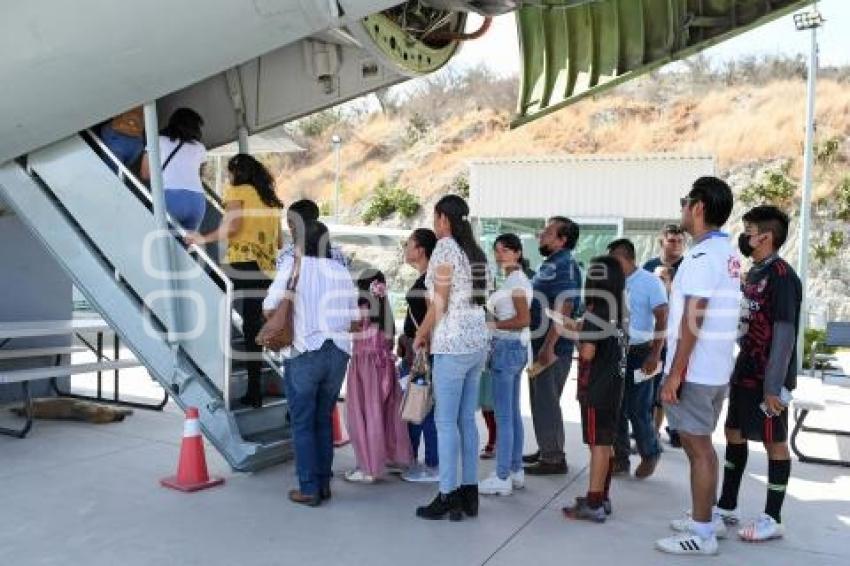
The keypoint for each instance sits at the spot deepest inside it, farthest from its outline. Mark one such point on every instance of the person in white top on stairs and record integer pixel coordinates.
(183, 156)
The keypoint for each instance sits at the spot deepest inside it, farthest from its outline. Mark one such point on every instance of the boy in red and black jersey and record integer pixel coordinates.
(602, 365)
(765, 370)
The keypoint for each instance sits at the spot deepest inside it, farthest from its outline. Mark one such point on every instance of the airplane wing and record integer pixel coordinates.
(571, 49)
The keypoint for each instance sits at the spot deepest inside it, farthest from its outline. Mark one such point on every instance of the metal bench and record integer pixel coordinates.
(77, 328)
(837, 336)
(813, 395)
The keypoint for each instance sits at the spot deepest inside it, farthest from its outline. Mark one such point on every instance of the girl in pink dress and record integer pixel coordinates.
(373, 394)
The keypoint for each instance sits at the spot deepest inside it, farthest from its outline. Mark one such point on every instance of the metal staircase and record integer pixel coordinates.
(100, 228)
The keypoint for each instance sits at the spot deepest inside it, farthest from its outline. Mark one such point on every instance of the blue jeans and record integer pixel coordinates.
(427, 428)
(186, 207)
(637, 410)
(507, 360)
(456, 378)
(312, 381)
(126, 148)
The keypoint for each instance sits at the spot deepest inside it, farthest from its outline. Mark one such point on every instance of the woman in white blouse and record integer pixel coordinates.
(456, 330)
(508, 357)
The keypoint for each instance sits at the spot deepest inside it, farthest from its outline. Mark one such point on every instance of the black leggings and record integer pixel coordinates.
(250, 284)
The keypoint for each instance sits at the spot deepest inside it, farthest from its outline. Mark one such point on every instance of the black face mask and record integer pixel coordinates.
(745, 246)
(545, 251)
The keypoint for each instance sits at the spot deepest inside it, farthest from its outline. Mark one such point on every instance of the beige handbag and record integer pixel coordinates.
(419, 398)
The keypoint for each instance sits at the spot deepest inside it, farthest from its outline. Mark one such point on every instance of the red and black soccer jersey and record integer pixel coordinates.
(772, 293)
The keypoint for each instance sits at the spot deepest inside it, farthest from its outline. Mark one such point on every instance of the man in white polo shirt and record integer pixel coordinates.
(705, 304)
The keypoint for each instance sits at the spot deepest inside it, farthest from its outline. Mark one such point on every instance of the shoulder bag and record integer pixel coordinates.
(279, 330)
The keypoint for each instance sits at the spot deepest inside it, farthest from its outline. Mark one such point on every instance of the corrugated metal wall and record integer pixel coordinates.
(643, 187)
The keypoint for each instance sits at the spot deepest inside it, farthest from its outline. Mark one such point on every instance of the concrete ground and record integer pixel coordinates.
(74, 493)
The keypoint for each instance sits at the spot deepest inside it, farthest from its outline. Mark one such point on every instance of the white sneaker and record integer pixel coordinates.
(358, 476)
(719, 520)
(493, 485)
(762, 529)
(421, 474)
(730, 518)
(518, 479)
(687, 544)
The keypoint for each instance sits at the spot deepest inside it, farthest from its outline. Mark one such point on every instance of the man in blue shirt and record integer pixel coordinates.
(665, 266)
(647, 323)
(557, 286)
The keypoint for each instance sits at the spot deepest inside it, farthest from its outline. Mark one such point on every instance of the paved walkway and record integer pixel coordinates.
(75, 493)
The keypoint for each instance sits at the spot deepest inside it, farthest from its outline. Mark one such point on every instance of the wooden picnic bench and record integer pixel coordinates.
(77, 328)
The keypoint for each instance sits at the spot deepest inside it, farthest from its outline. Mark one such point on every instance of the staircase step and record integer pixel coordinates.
(272, 416)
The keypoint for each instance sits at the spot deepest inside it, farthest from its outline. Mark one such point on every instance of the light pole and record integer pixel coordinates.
(810, 21)
(336, 142)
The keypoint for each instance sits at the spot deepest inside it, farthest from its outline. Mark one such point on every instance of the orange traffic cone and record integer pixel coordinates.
(192, 469)
(340, 435)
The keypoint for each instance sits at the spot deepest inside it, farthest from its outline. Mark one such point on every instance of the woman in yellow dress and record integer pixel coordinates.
(251, 226)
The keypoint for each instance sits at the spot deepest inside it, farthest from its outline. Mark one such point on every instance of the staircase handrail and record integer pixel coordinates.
(124, 173)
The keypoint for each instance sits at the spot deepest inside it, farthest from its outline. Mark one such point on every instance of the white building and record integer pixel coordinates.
(610, 196)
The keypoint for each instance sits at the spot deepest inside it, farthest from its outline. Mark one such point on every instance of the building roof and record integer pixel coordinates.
(259, 143)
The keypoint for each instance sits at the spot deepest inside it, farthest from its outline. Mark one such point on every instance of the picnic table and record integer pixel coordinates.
(815, 395)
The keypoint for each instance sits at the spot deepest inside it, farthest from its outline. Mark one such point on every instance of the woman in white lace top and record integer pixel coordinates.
(456, 330)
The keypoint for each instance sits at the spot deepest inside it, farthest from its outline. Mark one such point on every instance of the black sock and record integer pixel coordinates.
(778, 472)
(733, 471)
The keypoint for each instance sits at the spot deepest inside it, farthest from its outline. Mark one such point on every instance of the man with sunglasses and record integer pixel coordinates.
(665, 266)
(703, 326)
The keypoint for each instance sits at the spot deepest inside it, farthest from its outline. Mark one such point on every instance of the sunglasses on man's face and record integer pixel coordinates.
(685, 201)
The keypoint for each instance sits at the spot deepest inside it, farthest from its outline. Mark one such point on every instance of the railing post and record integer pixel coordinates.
(243, 140)
(164, 241)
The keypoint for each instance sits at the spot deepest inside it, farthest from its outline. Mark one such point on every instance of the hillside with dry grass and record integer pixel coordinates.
(407, 149)
(424, 143)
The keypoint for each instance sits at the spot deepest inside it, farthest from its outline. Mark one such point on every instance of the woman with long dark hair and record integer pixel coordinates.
(456, 329)
(509, 247)
(510, 333)
(183, 156)
(251, 226)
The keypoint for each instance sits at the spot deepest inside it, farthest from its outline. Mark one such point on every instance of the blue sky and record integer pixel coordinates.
(498, 48)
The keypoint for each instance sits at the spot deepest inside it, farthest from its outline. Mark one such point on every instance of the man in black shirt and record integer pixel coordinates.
(765, 371)
(665, 266)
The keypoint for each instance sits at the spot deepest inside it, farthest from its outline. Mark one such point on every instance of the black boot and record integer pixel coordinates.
(254, 396)
(441, 506)
(469, 499)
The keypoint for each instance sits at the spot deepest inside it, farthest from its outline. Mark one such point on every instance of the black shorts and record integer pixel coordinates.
(598, 426)
(745, 415)
(600, 405)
